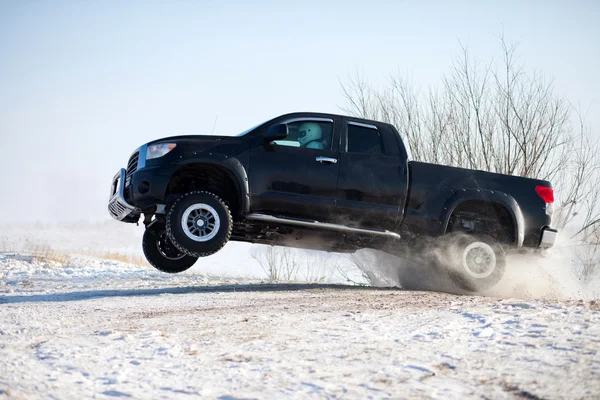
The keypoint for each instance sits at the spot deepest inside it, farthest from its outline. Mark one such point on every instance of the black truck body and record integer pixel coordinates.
(353, 187)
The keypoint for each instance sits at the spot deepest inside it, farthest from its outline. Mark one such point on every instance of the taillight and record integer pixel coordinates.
(546, 193)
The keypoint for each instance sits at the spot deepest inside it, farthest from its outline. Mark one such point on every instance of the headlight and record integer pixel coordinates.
(159, 150)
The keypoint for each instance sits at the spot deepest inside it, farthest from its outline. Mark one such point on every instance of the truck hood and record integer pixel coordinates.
(196, 138)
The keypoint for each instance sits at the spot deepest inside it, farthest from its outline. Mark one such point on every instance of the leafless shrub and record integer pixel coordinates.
(277, 263)
(587, 261)
(374, 268)
(289, 264)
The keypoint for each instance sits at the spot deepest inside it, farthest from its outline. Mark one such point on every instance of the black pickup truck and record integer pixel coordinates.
(326, 182)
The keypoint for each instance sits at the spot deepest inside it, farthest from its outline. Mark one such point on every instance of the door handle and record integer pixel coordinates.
(327, 160)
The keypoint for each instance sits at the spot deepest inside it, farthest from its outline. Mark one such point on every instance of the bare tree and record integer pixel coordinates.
(579, 183)
(482, 117)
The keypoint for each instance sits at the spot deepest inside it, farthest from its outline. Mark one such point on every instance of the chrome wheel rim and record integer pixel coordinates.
(200, 222)
(479, 260)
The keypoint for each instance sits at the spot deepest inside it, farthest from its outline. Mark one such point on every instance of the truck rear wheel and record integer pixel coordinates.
(476, 262)
(162, 254)
(199, 223)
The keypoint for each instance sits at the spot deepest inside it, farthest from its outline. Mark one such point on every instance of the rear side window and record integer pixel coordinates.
(362, 139)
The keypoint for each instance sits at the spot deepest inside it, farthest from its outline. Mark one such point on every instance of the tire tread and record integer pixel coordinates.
(151, 261)
(180, 247)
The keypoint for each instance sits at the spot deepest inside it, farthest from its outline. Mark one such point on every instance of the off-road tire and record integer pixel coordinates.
(169, 259)
(181, 239)
(456, 250)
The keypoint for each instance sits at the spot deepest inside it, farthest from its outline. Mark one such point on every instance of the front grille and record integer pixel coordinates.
(116, 209)
(132, 165)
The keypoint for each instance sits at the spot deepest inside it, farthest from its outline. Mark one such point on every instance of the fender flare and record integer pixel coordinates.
(234, 167)
(489, 196)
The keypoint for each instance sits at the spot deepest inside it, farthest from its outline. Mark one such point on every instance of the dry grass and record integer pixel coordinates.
(115, 256)
(46, 253)
(36, 250)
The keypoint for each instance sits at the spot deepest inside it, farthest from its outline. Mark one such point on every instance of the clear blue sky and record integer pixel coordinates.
(82, 83)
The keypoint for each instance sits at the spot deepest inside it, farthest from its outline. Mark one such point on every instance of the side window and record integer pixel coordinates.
(309, 134)
(363, 139)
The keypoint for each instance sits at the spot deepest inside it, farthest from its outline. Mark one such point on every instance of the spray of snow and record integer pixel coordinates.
(554, 275)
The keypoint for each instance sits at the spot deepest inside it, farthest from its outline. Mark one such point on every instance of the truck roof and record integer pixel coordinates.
(330, 115)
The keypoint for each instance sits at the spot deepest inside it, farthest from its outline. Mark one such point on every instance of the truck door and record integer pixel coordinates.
(297, 177)
(373, 177)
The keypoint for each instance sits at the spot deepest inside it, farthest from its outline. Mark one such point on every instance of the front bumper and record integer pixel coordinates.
(118, 207)
(548, 239)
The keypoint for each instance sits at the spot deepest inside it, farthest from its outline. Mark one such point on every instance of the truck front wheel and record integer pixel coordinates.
(199, 223)
(162, 254)
(476, 262)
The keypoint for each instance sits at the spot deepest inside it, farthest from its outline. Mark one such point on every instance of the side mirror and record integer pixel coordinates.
(276, 132)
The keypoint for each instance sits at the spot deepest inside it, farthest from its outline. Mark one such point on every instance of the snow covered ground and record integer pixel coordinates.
(92, 328)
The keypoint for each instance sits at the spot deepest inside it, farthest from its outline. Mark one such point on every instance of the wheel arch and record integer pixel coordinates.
(226, 178)
(487, 198)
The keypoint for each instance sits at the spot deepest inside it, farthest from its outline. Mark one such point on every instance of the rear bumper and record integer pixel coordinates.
(548, 238)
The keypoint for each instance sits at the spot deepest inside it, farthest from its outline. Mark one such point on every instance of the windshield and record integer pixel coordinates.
(250, 129)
